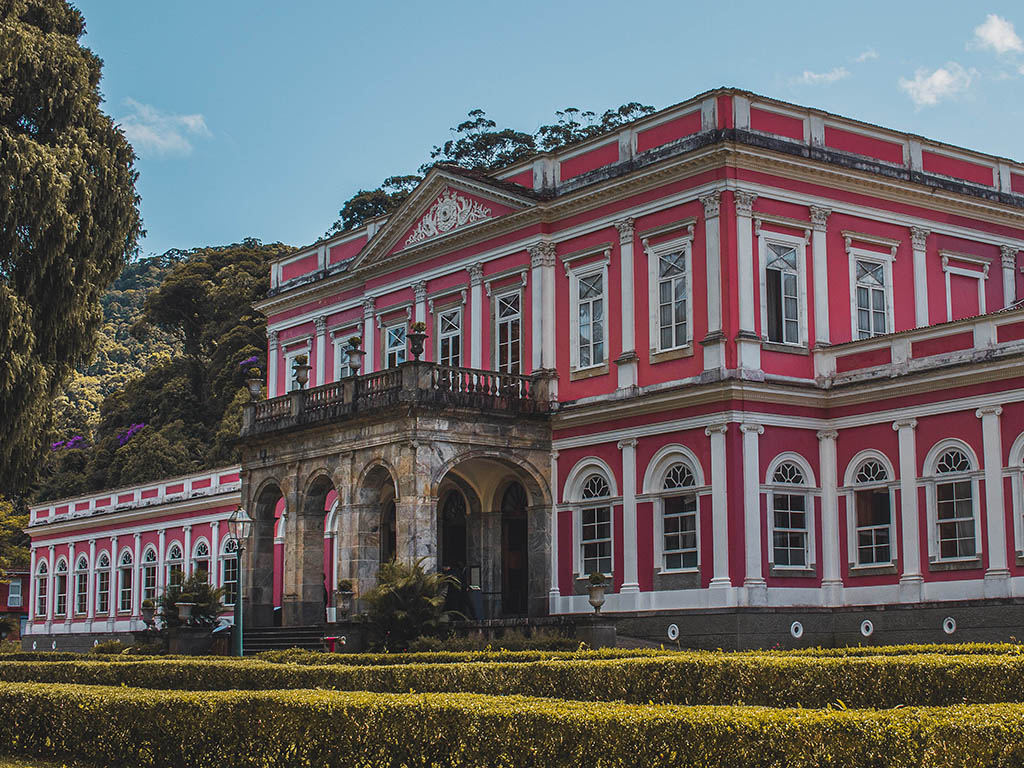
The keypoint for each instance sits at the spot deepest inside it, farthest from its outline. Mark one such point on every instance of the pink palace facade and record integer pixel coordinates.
(769, 360)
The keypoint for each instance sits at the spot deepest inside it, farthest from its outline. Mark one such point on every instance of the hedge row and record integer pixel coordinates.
(318, 729)
(704, 679)
(316, 658)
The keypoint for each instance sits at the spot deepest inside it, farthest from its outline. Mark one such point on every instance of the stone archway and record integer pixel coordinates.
(305, 598)
(259, 557)
(375, 510)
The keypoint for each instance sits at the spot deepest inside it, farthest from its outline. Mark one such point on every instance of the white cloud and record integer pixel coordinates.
(929, 88)
(869, 54)
(824, 78)
(152, 131)
(998, 34)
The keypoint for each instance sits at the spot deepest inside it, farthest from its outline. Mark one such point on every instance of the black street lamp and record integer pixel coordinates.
(239, 527)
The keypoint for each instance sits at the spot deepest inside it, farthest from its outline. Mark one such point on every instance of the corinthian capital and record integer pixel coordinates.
(819, 218)
(368, 305)
(542, 254)
(919, 238)
(419, 291)
(1009, 254)
(272, 339)
(626, 227)
(711, 203)
(744, 202)
(476, 273)
(321, 324)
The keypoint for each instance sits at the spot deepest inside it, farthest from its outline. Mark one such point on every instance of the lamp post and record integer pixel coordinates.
(239, 526)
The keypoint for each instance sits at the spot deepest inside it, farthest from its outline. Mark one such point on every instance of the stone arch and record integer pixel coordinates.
(258, 558)
(306, 582)
(374, 495)
(537, 485)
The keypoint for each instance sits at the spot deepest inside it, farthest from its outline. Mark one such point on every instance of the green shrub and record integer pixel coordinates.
(326, 728)
(109, 647)
(681, 678)
(317, 658)
(407, 603)
(539, 640)
(195, 589)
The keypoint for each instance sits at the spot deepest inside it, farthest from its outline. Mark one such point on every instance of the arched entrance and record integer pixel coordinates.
(454, 540)
(261, 558)
(305, 585)
(515, 554)
(375, 507)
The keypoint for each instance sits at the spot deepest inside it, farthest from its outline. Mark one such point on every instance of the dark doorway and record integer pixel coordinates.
(388, 534)
(514, 552)
(453, 532)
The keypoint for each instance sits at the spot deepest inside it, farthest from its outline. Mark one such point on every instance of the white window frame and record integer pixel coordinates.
(810, 491)
(61, 593)
(654, 254)
(102, 570)
(123, 588)
(654, 491)
(195, 560)
(389, 350)
(886, 260)
(229, 555)
(849, 491)
(79, 573)
(1016, 472)
(339, 341)
(441, 336)
(978, 271)
(145, 566)
(800, 244)
(499, 364)
(932, 479)
(572, 496)
(599, 266)
(170, 562)
(14, 596)
(290, 382)
(42, 577)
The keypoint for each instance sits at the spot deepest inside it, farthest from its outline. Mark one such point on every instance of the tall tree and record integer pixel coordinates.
(480, 146)
(69, 218)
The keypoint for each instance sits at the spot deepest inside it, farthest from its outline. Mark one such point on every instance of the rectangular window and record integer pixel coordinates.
(590, 320)
(509, 321)
(956, 519)
(672, 297)
(789, 533)
(872, 318)
(61, 602)
(41, 585)
(342, 369)
(874, 516)
(597, 540)
(449, 337)
(14, 593)
(81, 592)
(230, 580)
(149, 583)
(174, 575)
(125, 600)
(394, 345)
(782, 294)
(680, 530)
(290, 376)
(103, 592)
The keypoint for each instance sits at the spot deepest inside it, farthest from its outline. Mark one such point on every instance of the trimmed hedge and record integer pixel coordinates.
(314, 729)
(317, 658)
(683, 678)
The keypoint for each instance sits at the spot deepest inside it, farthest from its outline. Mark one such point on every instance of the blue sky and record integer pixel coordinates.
(259, 119)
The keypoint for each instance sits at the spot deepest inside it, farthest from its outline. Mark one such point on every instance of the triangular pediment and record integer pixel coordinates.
(445, 203)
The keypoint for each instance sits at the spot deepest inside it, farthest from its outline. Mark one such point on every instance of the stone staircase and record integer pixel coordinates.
(260, 639)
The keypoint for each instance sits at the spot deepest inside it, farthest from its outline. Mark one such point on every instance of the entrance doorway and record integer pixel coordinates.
(454, 539)
(514, 552)
(388, 533)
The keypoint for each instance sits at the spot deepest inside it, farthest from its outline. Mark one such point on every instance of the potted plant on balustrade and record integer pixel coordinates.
(355, 354)
(596, 588)
(343, 598)
(301, 367)
(254, 377)
(417, 334)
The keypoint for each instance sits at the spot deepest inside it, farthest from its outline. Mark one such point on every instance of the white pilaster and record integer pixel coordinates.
(1009, 262)
(630, 572)
(627, 360)
(910, 580)
(819, 249)
(90, 588)
(753, 579)
(748, 343)
(273, 346)
(537, 304)
(714, 342)
(321, 351)
(553, 592)
(831, 571)
(161, 562)
(72, 578)
(719, 507)
(186, 556)
(214, 554)
(476, 314)
(998, 574)
(50, 597)
(31, 588)
(137, 578)
(368, 341)
(919, 243)
(112, 585)
(420, 295)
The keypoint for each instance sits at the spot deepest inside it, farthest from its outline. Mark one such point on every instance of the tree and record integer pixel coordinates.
(368, 204)
(479, 146)
(195, 589)
(574, 126)
(69, 218)
(407, 603)
(14, 553)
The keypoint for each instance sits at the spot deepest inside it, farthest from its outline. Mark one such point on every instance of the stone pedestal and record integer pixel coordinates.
(596, 634)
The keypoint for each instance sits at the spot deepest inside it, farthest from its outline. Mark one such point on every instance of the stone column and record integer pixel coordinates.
(537, 304)
(538, 537)
(1009, 262)
(369, 345)
(627, 360)
(186, 555)
(273, 345)
(919, 243)
(161, 562)
(416, 530)
(112, 585)
(630, 576)
(321, 354)
(214, 554)
(50, 597)
(307, 605)
(72, 577)
(476, 314)
(748, 343)
(831, 570)
(554, 592)
(419, 292)
(137, 578)
(753, 580)
(90, 589)
(910, 580)
(719, 507)
(819, 248)
(714, 342)
(998, 573)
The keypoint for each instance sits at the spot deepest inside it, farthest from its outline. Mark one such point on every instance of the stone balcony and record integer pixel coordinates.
(417, 383)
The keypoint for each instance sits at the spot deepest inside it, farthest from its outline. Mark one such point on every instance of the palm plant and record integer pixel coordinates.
(407, 603)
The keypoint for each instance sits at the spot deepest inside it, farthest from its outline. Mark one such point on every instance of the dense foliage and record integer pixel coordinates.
(331, 728)
(406, 603)
(13, 540)
(68, 219)
(181, 410)
(207, 602)
(479, 144)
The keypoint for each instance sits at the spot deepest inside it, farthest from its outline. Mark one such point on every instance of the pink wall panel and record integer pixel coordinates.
(963, 296)
(606, 154)
(932, 162)
(668, 131)
(645, 545)
(857, 360)
(1010, 332)
(773, 122)
(299, 267)
(858, 143)
(1017, 183)
(523, 178)
(345, 251)
(942, 344)
(565, 553)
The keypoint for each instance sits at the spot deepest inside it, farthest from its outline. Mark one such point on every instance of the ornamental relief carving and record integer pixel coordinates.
(450, 211)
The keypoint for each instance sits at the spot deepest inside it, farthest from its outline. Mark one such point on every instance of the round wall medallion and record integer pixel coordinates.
(796, 629)
(866, 628)
(53, 645)
(33, 645)
(673, 632)
(949, 625)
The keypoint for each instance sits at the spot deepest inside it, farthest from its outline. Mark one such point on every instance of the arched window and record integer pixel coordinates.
(596, 525)
(790, 508)
(124, 578)
(388, 532)
(103, 584)
(679, 518)
(229, 570)
(82, 586)
(174, 565)
(60, 588)
(201, 560)
(955, 513)
(872, 501)
(149, 575)
(42, 582)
